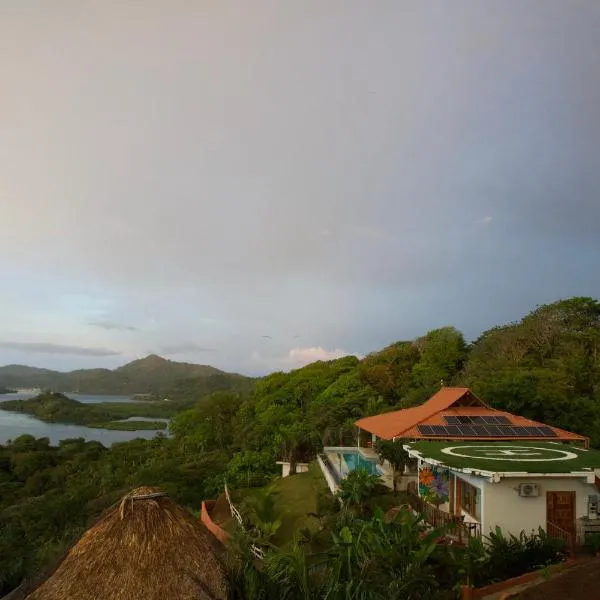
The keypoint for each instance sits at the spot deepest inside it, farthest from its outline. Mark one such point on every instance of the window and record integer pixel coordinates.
(468, 497)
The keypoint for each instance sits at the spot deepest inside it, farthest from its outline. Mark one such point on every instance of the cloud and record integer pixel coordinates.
(484, 221)
(48, 348)
(300, 357)
(338, 199)
(184, 348)
(112, 326)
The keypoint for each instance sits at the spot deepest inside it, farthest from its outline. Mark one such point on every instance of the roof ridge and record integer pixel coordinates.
(465, 390)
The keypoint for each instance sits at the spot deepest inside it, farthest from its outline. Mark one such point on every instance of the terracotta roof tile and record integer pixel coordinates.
(393, 424)
(403, 423)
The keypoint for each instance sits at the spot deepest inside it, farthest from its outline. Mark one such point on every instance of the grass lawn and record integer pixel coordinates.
(506, 457)
(297, 496)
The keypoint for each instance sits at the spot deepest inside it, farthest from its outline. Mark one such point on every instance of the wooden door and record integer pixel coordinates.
(560, 510)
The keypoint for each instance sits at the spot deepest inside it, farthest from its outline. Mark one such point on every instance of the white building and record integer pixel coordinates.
(517, 486)
(488, 468)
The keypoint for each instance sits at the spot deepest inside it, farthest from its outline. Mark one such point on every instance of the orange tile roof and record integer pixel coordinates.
(446, 402)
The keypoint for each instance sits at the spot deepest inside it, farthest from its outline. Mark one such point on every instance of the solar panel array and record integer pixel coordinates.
(487, 420)
(489, 430)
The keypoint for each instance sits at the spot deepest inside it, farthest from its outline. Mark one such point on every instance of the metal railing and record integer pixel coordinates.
(554, 531)
(439, 519)
(257, 552)
(334, 472)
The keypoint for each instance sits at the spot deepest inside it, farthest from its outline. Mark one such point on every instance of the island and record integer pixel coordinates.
(54, 407)
(4, 390)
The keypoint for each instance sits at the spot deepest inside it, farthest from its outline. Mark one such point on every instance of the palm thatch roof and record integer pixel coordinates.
(146, 547)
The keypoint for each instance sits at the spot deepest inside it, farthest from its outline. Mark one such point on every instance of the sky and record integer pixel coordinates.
(257, 185)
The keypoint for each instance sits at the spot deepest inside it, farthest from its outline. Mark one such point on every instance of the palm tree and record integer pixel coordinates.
(393, 451)
(357, 487)
(260, 509)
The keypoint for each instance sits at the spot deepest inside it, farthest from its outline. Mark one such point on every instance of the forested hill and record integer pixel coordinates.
(546, 367)
(152, 374)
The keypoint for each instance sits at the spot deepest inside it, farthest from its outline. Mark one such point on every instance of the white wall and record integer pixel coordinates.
(333, 487)
(285, 468)
(503, 507)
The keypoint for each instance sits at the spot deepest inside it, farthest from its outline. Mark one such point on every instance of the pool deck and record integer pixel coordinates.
(336, 456)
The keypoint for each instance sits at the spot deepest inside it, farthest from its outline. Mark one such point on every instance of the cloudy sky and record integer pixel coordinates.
(255, 185)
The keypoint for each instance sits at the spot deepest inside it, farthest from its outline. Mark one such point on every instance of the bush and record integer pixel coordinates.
(499, 557)
(250, 469)
(592, 542)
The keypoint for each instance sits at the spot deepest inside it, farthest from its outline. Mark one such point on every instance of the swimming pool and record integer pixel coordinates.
(355, 460)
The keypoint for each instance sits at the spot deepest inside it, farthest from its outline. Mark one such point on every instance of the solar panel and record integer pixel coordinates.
(524, 432)
(493, 430)
(489, 420)
(453, 429)
(464, 420)
(467, 430)
(480, 430)
(452, 420)
(485, 430)
(547, 431)
(439, 430)
(502, 421)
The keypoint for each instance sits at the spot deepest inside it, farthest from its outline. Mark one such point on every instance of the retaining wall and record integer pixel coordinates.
(217, 531)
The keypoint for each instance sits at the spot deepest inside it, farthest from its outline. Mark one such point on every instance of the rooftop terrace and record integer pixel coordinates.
(508, 457)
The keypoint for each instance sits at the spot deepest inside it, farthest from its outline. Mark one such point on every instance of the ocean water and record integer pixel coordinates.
(14, 424)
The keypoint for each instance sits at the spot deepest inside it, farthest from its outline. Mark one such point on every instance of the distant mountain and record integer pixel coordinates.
(150, 375)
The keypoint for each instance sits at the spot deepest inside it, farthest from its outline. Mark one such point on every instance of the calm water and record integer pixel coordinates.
(14, 424)
(355, 461)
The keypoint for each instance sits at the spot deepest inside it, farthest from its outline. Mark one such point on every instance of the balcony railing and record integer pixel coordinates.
(554, 531)
(439, 519)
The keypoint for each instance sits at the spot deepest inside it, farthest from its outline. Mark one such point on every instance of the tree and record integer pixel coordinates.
(260, 510)
(250, 469)
(443, 353)
(393, 451)
(357, 487)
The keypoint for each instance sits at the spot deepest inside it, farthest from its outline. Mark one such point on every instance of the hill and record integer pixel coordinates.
(152, 374)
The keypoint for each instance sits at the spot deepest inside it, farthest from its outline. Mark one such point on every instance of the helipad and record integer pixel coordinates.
(523, 457)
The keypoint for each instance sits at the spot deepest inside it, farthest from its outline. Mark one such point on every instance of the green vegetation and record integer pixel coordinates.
(57, 408)
(390, 557)
(49, 495)
(498, 556)
(151, 374)
(299, 499)
(356, 489)
(546, 367)
(583, 459)
(130, 425)
(393, 451)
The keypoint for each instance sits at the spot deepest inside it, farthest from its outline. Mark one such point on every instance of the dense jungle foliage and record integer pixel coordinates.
(546, 366)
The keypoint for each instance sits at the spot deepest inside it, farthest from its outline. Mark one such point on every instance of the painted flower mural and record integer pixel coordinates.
(434, 484)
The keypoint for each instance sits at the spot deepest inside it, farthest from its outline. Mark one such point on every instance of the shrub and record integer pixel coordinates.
(499, 557)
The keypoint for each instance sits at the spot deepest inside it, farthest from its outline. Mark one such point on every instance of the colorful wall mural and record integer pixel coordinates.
(434, 484)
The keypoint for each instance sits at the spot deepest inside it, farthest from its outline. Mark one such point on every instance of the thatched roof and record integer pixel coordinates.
(146, 547)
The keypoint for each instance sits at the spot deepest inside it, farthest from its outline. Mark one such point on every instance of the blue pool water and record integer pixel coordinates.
(355, 460)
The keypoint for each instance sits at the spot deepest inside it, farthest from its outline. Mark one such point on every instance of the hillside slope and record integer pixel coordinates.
(152, 374)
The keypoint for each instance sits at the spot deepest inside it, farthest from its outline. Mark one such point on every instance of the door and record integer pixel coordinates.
(560, 510)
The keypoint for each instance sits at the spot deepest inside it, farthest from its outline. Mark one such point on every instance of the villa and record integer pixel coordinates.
(484, 468)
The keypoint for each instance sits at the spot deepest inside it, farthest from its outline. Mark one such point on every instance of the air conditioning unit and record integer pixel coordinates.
(528, 490)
